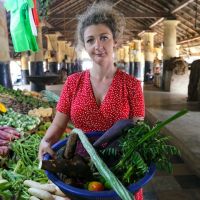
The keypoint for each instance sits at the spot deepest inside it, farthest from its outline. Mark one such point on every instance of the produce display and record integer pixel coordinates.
(124, 159)
(24, 118)
(41, 112)
(19, 121)
(7, 135)
(18, 97)
(128, 150)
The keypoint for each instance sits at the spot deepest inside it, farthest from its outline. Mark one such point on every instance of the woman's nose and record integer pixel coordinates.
(98, 44)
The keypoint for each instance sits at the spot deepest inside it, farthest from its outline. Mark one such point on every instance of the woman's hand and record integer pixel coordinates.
(53, 134)
(45, 147)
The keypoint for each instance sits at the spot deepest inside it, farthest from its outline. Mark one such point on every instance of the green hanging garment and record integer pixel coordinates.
(20, 28)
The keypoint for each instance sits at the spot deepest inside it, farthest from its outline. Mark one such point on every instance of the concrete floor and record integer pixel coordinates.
(185, 131)
(184, 183)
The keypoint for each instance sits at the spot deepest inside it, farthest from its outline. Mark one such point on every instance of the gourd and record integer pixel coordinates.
(105, 172)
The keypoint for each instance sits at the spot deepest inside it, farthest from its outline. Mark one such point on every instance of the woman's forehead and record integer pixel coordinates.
(96, 30)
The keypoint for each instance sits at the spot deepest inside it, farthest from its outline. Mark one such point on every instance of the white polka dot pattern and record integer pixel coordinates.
(123, 100)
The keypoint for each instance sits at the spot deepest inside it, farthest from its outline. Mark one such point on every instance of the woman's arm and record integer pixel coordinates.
(53, 134)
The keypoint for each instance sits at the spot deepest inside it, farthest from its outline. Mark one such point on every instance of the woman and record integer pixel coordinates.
(95, 99)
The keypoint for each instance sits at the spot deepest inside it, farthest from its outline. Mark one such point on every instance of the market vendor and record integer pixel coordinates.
(95, 99)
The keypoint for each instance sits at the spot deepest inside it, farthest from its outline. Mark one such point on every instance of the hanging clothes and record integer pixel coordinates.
(20, 28)
(35, 14)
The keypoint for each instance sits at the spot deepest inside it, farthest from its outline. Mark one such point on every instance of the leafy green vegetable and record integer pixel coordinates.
(23, 165)
(141, 146)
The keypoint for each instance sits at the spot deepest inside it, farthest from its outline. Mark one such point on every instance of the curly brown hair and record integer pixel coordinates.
(100, 13)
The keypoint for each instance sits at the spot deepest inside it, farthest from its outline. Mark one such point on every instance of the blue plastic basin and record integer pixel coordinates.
(77, 193)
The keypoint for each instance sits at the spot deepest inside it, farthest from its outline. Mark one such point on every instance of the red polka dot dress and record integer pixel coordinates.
(124, 100)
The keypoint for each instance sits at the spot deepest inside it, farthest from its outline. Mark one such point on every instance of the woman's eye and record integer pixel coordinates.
(90, 41)
(104, 38)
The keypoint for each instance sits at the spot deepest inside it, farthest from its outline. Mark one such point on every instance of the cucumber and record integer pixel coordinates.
(105, 172)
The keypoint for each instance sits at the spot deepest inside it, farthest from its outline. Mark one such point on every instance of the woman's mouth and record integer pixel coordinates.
(100, 54)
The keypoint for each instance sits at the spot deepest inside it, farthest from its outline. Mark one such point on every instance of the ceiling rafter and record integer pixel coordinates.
(176, 9)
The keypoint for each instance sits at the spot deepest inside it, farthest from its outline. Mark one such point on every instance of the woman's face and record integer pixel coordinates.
(99, 43)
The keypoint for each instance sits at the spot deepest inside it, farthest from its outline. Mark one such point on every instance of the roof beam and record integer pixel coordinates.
(176, 9)
(117, 2)
(131, 16)
(189, 40)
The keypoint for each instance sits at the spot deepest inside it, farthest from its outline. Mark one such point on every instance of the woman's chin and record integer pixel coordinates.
(100, 60)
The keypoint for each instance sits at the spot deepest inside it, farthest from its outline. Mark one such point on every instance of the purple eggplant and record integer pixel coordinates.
(114, 132)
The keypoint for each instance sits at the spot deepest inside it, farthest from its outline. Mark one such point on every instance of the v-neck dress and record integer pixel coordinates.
(123, 100)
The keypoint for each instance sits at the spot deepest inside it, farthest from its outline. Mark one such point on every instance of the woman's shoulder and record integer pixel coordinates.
(128, 78)
(76, 77)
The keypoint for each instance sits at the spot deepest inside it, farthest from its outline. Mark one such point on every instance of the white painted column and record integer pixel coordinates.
(131, 58)
(169, 47)
(24, 67)
(137, 59)
(4, 50)
(5, 77)
(61, 51)
(52, 47)
(148, 39)
(169, 51)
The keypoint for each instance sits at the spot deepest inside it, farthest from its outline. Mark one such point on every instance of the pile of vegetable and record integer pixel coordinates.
(125, 153)
(21, 122)
(20, 97)
(21, 164)
(41, 112)
(44, 191)
(7, 135)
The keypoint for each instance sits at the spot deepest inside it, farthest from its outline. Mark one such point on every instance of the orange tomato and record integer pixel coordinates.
(68, 130)
(95, 186)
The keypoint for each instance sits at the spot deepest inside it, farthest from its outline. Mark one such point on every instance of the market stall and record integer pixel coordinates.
(24, 118)
(123, 164)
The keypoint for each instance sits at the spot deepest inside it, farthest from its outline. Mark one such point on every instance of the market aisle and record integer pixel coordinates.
(183, 184)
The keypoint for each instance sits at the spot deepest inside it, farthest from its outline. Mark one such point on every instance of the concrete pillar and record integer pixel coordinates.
(115, 59)
(117, 55)
(36, 62)
(148, 39)
(126, 58)
(178, 50)
(131, 58)
(5, 77)
(61, 51)
(121, 54)
(52, 47)
(137, 59)
(24, 67)
(169, 50)
(158, 53)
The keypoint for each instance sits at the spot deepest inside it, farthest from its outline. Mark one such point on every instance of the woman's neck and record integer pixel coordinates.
(103, 72)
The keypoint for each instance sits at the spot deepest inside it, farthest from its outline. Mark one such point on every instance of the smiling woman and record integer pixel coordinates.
(95, 99)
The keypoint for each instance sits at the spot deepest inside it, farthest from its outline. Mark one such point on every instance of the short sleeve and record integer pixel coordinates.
(136, 98)
(64, 103)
